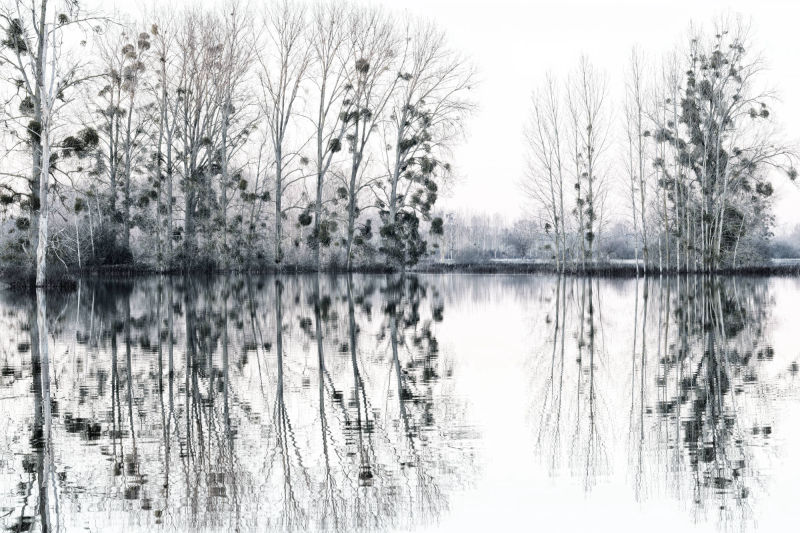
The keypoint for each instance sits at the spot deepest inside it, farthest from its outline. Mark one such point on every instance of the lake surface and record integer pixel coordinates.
(425, 403)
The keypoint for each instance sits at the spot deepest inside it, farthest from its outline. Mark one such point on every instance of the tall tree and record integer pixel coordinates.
(198, 122)
(163, 31)
(544, 183)
(373, 80)
(726, 140)
(426, 111)
(636, 133)
(331, 70)
(43, 72)
(234, 60)
(587, 91)
(284, 62)
(124, 116)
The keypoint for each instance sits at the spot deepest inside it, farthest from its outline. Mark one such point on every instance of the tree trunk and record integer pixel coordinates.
(278, 209)
(351, 200)
(224, 182)
(317, 216)
(44, 182)
(170, 201)
(351, 218)
(126, 221)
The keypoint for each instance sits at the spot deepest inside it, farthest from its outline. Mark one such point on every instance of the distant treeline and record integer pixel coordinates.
(473, 239)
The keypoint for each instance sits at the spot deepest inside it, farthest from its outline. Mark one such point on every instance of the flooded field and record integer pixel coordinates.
(386, 403)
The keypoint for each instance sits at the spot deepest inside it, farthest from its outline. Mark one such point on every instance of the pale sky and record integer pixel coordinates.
(513, 44)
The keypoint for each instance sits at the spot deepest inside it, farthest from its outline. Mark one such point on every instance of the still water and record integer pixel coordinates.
(423, 403)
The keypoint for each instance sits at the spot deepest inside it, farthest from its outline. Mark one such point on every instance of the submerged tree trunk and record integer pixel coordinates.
(42, 407)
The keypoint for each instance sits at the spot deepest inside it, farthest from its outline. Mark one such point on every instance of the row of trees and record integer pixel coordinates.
(567, 137)
(700, 147)
(225, 138)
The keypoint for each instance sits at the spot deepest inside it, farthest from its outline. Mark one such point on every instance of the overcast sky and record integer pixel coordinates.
(513, 44)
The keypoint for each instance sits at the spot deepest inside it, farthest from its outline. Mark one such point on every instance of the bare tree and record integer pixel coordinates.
(635, 116)
(284, 62)
(373, 80)
(129, 79)
(722, 142)
(586, 95)
(544, 181)
(331, 70)
(426, 111)
(233, 64)
(680, 183)
(43, 71)
(198, 119)
(163, 32)
(110, 110)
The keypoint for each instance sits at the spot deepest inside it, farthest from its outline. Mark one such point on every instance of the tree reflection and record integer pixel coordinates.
(190, 405)
(695, 406)
(570, 406)
(708, 378)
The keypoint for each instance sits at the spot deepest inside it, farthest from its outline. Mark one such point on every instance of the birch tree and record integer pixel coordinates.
(43, 71)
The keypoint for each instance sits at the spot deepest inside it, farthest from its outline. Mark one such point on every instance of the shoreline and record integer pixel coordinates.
(605, 270)
(65, 280)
